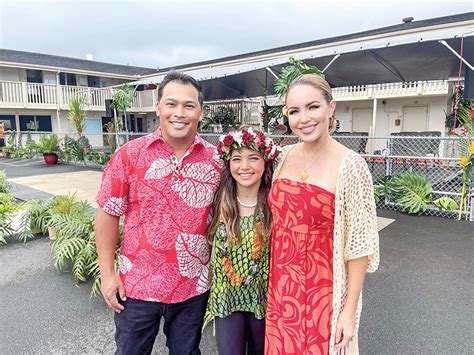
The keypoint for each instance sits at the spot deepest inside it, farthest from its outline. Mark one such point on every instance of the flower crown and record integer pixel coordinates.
(247, 138)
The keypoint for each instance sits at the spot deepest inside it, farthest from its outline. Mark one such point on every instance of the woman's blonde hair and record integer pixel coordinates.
(320, 84)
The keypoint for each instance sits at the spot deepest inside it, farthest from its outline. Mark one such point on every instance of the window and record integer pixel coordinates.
(67, 79)
(93, 81)
(9, 121)
(34, 76)
(35, 123)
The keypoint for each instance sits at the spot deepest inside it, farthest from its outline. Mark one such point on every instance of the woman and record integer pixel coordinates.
(239, 231)
(324, 235)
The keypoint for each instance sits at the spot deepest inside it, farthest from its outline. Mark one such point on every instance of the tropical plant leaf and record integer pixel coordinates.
(446, 203)
(65, 249)
(295, 69)
(412, 191)
(123, 97)
(4, 184)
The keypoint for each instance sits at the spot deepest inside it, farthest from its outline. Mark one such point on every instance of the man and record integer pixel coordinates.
(164, 184)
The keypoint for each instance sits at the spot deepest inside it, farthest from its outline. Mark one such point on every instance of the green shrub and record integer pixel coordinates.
(8, 208)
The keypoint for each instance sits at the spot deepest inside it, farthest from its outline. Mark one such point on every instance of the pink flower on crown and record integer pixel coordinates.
(260, 141)
(247, 138)
(228, 140)
(268, 150)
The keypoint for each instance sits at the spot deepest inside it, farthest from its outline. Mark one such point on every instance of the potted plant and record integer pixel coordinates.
(49, 146)
(223, 119)
(464, 110)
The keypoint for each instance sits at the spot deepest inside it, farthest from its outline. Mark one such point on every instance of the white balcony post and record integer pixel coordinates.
(25, 94)
(58, 99)
(374, 120)
(89, 98)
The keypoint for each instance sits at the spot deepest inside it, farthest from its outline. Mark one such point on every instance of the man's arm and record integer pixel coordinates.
(106, 236)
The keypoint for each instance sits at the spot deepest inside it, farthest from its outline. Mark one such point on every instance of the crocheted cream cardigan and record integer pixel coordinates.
(355, 231)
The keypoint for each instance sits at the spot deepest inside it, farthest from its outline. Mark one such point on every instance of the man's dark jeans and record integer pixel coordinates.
(138, 324)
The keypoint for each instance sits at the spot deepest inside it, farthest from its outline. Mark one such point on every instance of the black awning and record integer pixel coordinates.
(409, 62)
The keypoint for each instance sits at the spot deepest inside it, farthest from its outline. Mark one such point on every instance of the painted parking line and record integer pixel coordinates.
(383, 222)
(21, 163)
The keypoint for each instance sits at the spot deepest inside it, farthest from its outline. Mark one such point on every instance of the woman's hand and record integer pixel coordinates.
(345, 329)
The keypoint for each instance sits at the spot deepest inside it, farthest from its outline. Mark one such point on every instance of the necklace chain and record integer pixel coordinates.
(304, 175)
(245, 205)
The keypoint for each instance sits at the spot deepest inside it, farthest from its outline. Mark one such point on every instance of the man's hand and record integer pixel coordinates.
(110, 286)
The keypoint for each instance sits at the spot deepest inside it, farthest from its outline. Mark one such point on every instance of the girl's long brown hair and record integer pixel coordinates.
(225, 205)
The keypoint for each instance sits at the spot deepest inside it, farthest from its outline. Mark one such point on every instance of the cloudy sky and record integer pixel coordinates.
(164, 33)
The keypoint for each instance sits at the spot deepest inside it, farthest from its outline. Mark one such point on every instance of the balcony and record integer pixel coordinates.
(46, 96)
(391, 90)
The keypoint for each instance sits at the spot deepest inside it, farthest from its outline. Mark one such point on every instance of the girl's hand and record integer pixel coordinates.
(345, 329)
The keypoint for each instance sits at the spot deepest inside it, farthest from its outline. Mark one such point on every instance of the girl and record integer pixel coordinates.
(239, 232)
(324, 236)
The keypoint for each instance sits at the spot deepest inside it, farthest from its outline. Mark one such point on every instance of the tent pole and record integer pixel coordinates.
(332, 61)
(443, 42)
(272, 72)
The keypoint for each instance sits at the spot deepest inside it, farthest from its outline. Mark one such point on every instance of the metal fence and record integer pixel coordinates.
(433, 156)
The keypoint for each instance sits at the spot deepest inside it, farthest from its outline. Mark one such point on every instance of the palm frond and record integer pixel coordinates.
(65, 249)
(295, 69)
(77, 114)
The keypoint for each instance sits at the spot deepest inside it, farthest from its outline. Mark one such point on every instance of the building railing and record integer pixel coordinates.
(391, 90)
(49, 96)
(245, 111)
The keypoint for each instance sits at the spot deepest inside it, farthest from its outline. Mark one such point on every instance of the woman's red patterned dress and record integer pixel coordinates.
(301, 275)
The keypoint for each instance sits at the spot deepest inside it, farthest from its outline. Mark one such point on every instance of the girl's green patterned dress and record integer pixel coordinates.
(226, 298)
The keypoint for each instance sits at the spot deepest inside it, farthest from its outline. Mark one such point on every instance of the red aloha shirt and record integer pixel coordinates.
(164, 255)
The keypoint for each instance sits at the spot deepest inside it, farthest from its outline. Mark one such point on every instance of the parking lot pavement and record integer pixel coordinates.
(420, 300)
(36, 180)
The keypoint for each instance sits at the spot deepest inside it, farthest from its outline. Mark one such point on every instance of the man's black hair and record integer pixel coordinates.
(183, 79)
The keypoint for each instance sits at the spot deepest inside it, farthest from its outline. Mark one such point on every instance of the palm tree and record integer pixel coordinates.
(121, 101)
(77, 114)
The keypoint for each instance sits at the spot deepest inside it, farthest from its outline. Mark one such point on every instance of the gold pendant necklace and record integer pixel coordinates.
(305, 175)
